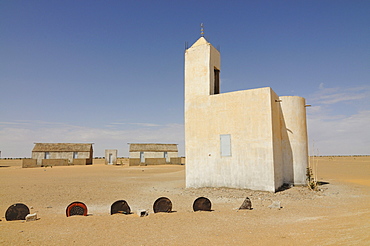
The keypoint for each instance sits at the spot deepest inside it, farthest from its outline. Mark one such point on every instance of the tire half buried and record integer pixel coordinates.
(17, 211)
(202, 204)
(120, 207)
(162, 204)
(76, 208)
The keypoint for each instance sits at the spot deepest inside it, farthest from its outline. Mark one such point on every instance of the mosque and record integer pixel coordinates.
(251, 139)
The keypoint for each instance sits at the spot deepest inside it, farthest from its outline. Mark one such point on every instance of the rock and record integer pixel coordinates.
(275, 204)
(142, 212)
(31, 217)
(247, 204)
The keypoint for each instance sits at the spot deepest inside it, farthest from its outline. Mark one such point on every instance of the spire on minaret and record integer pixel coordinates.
(201, 30)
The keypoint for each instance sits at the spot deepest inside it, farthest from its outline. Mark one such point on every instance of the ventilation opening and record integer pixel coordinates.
(216, 83)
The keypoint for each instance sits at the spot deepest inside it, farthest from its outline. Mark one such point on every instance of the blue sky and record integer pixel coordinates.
(111, 72)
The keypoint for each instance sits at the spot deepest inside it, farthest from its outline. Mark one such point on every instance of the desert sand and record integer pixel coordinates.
(337, 214)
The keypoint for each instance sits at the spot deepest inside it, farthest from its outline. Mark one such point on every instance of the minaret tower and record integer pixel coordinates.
(202, 79)
(202, 69)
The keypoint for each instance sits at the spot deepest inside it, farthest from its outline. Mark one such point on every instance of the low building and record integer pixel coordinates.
(111, 157)
(153, 154)
(61, 154)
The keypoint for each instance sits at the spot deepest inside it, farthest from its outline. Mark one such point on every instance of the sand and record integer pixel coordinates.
(337, 214)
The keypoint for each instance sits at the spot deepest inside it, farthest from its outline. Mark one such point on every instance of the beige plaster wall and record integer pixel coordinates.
(278, 163)
(247, 117)
(55, 162)
(29, 163)
(81, 161)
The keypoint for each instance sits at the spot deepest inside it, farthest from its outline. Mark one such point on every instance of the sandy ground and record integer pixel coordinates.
(338, 214)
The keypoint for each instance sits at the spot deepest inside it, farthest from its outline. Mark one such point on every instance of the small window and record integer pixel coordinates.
(75, 155)
(47, 155)
(142, 157)
(216, 83)
(165, 155)
(225, 144)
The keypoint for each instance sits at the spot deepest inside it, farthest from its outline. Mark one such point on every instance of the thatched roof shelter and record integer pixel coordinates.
(153, 147)
(62, 147)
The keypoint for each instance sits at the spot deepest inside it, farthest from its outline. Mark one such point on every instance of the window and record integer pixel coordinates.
(47, 155)
(225, 144)
(165, 155)
(75, 155)
(142, 158)
(216, 82)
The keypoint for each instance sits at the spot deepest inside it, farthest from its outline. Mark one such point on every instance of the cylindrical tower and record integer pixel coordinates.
(294, 139)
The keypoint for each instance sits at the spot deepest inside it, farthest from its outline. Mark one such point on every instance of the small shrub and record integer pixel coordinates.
(311, 182)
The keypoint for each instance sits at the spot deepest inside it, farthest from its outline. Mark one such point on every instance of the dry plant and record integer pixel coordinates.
(310, 171)
(311, 181)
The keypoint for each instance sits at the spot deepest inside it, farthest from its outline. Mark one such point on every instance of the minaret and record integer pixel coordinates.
(202, 70)
(202, 73)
